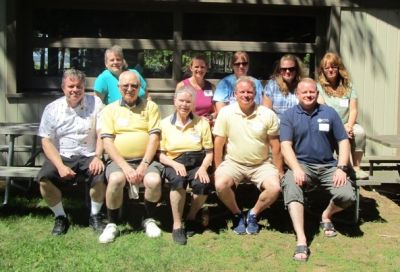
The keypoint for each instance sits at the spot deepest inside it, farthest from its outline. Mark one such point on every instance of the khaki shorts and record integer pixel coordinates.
(257, 174)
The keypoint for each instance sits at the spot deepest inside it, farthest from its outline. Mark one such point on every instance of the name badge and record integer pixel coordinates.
(323, 127)
(257, 127)
(344, 103)
(208, 93)
(122, 122)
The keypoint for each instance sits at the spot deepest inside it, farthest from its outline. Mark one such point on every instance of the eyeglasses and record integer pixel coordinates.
(237, 64)
(129, 86)
(289, 69)
(333, 67)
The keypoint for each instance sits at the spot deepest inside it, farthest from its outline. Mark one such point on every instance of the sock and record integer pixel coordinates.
(95, 207)
(113, 215)
(58, 210)
(150, 208)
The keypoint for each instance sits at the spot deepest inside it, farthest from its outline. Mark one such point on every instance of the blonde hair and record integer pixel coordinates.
(344, 85)
(283, 86)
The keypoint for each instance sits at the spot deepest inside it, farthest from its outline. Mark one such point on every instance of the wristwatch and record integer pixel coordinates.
(145, 161)
(344, 168)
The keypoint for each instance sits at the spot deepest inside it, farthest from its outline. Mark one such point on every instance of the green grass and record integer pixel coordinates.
(26, 243)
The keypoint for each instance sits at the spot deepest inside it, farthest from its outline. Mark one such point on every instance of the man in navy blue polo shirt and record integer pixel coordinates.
(309, 133)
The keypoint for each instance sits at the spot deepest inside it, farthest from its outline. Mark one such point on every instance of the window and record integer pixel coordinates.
(158, 40)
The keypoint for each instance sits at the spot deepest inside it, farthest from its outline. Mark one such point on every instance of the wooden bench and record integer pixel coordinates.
(19, 171)
(378, 178)
(380, 159)
(10, 172)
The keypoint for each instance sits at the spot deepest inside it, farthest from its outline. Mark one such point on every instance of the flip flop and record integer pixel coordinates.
(301, 249)
(328, 226)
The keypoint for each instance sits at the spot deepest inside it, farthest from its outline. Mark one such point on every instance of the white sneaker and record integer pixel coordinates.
(109, 233)
(151, 228)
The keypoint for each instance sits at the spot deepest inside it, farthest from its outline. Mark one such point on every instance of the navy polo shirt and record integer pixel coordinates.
(313, 135)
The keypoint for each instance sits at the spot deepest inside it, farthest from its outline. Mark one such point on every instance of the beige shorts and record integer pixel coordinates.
(259, 175)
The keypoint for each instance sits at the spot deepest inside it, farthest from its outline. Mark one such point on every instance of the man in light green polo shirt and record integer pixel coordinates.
(247, 130)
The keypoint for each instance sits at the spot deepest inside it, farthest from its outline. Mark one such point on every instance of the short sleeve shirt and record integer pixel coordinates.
(195, 136)
(225, 90)
(313, 135)
(107, 84)
(280, 102)
(340, 104)
(247, 135)
(203, 104)
(130, 126)
(72, 130)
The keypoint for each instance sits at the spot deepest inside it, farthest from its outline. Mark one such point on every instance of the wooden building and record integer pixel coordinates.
(40, 38)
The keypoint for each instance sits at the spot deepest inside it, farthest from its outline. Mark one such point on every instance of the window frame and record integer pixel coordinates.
(20, 43)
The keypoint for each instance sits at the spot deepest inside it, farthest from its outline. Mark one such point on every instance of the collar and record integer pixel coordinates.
(300, 109)
(81, 103)
(173, 119)
(122, 103)
(238, 110)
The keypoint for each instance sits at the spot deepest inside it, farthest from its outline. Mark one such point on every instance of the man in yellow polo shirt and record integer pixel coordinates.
(130, 130)
(247, 130)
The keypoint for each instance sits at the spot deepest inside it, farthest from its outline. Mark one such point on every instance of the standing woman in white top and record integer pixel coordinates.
(336, 90)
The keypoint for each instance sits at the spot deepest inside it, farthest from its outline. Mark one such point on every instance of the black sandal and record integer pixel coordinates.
(328, 226)
(304, 250)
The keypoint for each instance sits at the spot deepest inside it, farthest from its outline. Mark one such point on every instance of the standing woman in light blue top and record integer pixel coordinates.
(336, 90)
(106, 84)
(279, 93)
(225, 89)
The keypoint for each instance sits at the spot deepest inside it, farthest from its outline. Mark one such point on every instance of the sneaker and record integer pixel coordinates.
(239, 226)
(109, 234)
(61, 225)
(151, 228)
(96, 221)
(252, 223)
(192, 227)
(179, 236)
(360, 174)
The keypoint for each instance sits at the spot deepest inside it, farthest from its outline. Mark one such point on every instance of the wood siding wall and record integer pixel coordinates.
(370, 48)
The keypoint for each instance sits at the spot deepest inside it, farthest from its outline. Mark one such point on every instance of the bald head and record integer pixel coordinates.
(307, 94)
(129, 85)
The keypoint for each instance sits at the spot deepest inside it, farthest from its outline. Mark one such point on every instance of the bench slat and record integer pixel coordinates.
(19, 171)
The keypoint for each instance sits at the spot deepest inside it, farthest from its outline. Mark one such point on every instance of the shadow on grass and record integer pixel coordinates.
(277, 217)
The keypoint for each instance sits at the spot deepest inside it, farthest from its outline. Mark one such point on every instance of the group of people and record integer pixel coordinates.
(217, 137)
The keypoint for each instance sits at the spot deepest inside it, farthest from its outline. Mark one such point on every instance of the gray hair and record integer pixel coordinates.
(75, 74)
(185, 89)
(247, 79)
(117, 50)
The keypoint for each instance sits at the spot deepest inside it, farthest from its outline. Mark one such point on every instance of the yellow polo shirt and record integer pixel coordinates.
(247, 136)
(130, 127)
(175, 140)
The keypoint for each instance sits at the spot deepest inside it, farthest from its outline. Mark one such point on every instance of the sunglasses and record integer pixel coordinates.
(290, 69)
(237, 64)
(130, 86)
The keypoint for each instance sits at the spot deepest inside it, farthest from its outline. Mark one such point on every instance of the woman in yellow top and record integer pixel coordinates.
(336, 91)
(186, 151)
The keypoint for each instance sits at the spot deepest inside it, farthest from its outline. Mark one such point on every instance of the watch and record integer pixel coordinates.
(344, 168)
(145, 161)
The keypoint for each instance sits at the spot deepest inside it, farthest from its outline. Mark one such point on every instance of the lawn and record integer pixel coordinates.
(26, 243)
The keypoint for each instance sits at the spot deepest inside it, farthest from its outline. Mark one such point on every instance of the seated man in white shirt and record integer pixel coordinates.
(69, 140)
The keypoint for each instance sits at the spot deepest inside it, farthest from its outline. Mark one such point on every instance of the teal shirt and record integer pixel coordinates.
(340, 104)
(107, 84)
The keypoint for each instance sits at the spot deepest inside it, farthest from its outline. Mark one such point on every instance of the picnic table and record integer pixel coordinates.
(13, 131)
